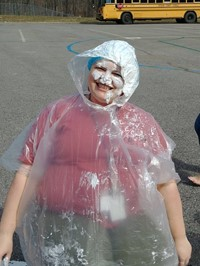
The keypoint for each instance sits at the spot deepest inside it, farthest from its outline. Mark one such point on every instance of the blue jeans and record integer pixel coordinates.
(197, 126)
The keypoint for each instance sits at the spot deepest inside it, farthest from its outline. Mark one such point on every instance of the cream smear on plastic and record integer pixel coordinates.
(108, 73)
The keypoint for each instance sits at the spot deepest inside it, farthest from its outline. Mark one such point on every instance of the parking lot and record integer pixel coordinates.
(33, 72)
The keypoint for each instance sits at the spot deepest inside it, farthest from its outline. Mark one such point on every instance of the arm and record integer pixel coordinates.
(9, 216)
(173, 206)
(11, 213)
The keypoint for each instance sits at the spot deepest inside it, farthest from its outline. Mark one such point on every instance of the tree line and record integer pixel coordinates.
(83, 8)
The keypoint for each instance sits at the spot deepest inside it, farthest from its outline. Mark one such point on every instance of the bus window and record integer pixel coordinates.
(143, 1)
(175, 1)
(152, 1)
(159, 1)
(136, 1)
(128, 1)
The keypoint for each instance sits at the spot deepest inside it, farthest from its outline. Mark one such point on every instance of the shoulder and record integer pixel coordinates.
(133, 113)
(54, 110)
(140, 128)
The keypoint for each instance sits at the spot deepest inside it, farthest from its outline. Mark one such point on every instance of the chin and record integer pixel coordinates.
(99, 101)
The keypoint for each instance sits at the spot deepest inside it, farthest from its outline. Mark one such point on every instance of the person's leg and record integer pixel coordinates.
(196, 179)
(197, 126)
(137, 241)
(66, 240)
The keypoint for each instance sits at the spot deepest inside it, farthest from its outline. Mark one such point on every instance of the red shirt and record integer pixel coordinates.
(76, 151)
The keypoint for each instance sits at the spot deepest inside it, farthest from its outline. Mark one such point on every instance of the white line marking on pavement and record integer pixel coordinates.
(113, 34)
(133, 38)
(104, 32)
(145, 37)
(22, 36)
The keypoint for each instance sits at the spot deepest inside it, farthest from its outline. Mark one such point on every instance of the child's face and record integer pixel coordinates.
(105, 82)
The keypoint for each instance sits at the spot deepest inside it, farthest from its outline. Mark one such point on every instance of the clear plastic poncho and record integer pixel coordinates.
(91, 195)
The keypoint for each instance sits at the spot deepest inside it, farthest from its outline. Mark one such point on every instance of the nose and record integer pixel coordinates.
(106, 79)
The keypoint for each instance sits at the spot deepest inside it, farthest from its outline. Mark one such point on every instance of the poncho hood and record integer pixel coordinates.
(121, 53)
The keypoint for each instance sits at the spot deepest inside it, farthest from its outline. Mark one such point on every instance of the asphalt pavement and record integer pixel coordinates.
(33, 72)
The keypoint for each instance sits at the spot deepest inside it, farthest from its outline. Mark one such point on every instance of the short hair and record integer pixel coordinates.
(92, 61)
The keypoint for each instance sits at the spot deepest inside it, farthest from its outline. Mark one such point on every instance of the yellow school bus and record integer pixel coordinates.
(126, 11)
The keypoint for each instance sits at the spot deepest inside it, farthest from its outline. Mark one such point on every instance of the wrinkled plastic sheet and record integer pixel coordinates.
(95, 202)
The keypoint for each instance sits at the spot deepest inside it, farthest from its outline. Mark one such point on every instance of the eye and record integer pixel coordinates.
(100, 68)
(116, 74)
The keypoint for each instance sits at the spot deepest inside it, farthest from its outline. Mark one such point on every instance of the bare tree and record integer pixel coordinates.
(83, 8)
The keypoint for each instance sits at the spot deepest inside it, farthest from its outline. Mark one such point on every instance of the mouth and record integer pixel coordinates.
(103, 87)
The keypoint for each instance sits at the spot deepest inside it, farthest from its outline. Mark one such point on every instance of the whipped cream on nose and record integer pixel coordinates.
(106, 79)
(102, 78)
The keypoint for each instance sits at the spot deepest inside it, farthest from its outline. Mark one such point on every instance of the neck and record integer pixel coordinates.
(94, 100)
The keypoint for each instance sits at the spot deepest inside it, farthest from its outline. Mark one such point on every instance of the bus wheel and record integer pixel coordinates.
(126, 18)
(190, 17)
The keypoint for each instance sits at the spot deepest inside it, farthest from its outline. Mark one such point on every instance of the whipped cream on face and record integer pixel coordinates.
(108, 73)
(112, 94)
